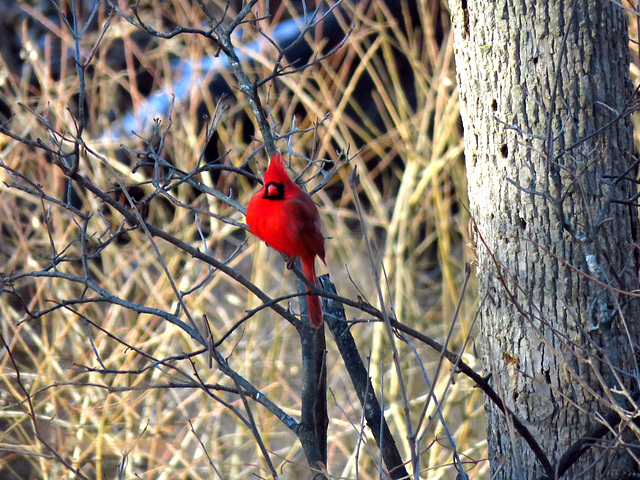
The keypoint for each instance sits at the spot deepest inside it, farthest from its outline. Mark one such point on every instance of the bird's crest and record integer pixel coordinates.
(276, 172)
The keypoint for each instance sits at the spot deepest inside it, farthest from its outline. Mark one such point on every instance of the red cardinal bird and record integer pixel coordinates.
(286, 219)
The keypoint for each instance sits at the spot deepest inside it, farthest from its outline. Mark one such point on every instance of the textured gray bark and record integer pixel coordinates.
(545, 95)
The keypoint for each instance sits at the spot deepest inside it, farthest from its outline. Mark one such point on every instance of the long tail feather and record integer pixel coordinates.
(313, 301)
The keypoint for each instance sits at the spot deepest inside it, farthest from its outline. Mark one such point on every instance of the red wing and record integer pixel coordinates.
(309, 227)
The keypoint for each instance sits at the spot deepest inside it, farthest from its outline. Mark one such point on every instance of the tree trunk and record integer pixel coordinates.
(546, 99)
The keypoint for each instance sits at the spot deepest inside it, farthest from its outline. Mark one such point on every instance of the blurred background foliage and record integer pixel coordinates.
(389, 91)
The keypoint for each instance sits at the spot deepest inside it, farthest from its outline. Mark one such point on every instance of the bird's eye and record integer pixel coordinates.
(274, 191)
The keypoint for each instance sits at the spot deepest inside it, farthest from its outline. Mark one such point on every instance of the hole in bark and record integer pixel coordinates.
(494, 105)
(523, 224)
(535, 60)
(504, 150)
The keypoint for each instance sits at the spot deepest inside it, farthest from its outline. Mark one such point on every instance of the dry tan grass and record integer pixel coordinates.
(413, 187)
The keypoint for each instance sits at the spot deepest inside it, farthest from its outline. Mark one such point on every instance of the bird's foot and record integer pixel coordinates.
(290, 261)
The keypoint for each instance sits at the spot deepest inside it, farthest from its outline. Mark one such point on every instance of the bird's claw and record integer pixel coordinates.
(290, 261)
